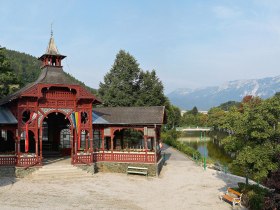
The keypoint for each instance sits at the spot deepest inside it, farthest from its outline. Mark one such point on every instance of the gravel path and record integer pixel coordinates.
(181, 185)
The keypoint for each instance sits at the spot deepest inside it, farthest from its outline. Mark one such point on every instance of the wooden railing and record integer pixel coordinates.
(7, 160)
(124, 157)
(82, 159)
(85, 158)
(28, 161)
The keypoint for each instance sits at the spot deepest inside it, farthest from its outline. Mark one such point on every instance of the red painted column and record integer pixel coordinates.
(112, 145)
(41, 142)
(146, 148)
(72, 145)
(103, 142)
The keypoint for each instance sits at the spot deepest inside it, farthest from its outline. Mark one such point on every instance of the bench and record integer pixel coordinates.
(232, 196)
(137, 170)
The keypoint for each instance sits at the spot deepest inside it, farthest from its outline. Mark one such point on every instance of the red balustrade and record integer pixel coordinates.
(28, 161)
(82, 159)
(124, 157)
(7, 160)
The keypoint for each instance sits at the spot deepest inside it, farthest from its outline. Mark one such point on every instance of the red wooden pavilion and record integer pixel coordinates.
(37, 122)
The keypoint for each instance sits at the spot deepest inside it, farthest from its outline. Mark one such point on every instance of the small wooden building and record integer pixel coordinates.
(56, 116)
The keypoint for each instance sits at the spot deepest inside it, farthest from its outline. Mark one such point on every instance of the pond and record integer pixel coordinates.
(206, 145)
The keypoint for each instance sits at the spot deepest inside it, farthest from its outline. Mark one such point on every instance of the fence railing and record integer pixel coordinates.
(7, 160)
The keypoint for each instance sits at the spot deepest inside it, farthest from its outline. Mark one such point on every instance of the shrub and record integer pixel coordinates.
(170, 138)
(253, 196)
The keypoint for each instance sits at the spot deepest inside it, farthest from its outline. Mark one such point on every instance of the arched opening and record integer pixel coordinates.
(56, 135)
(128, 140)
(31, 142)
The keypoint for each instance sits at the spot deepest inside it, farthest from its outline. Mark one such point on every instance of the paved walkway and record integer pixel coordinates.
(181, 185)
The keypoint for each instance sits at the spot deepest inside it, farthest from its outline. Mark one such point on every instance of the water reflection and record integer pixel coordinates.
(206, 145)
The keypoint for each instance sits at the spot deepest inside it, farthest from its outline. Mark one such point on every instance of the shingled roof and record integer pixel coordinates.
(49, 75)
(129, 115)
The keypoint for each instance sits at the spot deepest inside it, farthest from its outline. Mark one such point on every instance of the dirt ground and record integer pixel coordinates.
(181, 185)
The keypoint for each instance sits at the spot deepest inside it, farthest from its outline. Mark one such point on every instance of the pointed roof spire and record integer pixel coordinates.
(51, 57)
(52, 49)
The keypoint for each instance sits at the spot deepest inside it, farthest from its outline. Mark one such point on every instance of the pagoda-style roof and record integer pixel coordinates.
(49, 75)
(129, 115)
(6, 116)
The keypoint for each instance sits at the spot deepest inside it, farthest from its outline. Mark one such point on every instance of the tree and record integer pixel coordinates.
(127, 85)
(216, 117)
(194, 111)
(173, 116)
(254, 136)
(257, 161)
(150, 90)
(121, 85)
(227, 105)
(8, 80)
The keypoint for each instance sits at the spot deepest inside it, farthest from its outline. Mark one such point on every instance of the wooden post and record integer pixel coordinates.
(41, 142)
(71, 143)
(112, 145)
(103, 143)
(155, 145)
(146, 148)
(86, 139)
(16, 141)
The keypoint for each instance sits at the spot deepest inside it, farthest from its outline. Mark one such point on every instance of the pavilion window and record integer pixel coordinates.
(7, 141)
(4, 135)
(97, 139)
(132, 139)
(150, 144)
(83, 139)
(45, 131)
(107, 143)
(22, 142)
(65, 138)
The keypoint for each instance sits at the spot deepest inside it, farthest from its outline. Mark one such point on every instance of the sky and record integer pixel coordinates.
(190, 43)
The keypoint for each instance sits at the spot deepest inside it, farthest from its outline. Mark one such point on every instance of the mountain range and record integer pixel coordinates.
(205, 98)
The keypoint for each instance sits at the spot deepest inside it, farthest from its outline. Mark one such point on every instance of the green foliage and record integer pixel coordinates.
(150, 90)
(257, 161)
(253, 196)
(8, 80)
(216, 117)
(228, 105)
(170, 138)
(26, 68)
(194, 118)
(255, 135)
(127, 85)
(121, 85)
(194, 111)
(173, 116)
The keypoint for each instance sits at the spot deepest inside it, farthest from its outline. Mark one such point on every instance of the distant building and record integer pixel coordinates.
(184, 111)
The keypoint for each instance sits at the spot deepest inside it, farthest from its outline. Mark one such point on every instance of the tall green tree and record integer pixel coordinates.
(127, 85)
(8, 80)
(150, 90)
(122, 83)
(173, 116)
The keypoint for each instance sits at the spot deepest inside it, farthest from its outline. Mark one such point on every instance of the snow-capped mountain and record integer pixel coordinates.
(205, 98)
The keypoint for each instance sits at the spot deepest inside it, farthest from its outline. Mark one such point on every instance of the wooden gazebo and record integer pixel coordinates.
(37, 121)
